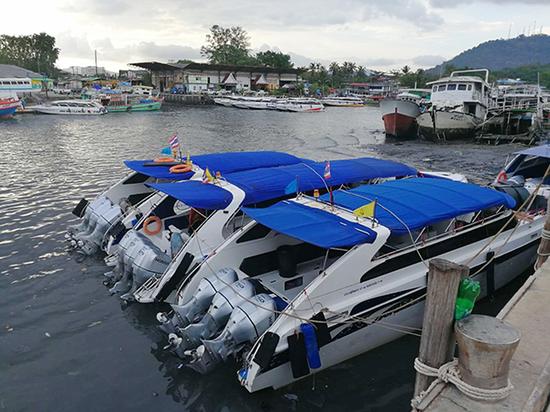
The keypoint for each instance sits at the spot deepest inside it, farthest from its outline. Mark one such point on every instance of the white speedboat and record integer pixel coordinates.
(204, 215)
(346, 101)
(112, 212)
(308, 284)
(226, 101)
(298, 105)
(459, 105)
(70, 107)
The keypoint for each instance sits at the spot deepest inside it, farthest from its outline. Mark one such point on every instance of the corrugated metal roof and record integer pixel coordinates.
(10, 70)
(156, 66)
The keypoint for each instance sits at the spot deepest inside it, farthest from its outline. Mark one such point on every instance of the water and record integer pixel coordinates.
(66, 344)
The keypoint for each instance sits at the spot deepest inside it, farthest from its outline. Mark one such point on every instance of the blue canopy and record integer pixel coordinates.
(196, 194)
(218, 162)
(418, 202)
(271, 183)
(540, 151)
(311, 225)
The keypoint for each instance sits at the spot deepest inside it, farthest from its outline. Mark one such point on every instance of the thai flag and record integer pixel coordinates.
(327, 174)
(174, 142)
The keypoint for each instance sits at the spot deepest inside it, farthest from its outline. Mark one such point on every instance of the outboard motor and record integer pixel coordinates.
(128, 243)
(90, 210)
(517, 191)
(218, 314)
(90, 243)
(246, 324)
(199, 303)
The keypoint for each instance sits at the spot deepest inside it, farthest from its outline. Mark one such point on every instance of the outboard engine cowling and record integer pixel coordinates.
(519, 193)
(215, 319)
(199, 303)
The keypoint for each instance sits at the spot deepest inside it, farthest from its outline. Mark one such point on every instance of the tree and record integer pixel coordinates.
(36, 52)
(406, 69)
(274, 59)
(227, 46)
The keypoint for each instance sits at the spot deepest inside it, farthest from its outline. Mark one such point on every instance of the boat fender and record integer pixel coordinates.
(297, 355)
(149, 221)
(182, 168)
(310, 342)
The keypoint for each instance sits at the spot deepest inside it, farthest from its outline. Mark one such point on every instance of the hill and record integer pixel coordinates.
(529, 74)
(501, 54)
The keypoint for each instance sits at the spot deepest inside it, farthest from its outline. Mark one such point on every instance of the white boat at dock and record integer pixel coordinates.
(459, 105)
(70, 107)
(345, 101)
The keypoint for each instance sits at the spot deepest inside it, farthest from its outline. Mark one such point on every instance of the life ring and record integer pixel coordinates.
(181, 168)
(148, 222)
(164, 159)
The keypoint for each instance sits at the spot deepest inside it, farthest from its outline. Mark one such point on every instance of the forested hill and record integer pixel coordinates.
(501, 54)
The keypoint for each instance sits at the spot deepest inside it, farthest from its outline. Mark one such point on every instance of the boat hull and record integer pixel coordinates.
(138, 107)
(7, 112)
(399, 118)
(442, 125)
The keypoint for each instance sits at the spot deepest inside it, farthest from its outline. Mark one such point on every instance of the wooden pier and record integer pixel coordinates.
(187, 99)
(528, 370)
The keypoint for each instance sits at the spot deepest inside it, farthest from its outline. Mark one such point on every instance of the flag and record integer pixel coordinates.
(188, 161)
(326, 174)
(207, 176)
(166, 151)
(174, 142)
(292, 187)
(366, 210)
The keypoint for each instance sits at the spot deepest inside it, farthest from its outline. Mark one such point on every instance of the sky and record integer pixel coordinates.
(379, 34)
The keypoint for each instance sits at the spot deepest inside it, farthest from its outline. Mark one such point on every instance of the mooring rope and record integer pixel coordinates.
(449, 373)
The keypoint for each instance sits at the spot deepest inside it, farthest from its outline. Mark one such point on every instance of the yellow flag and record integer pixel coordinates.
(366, 210)
(208, 176)
(188, 161)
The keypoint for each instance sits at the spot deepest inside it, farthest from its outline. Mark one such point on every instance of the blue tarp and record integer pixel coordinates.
(540, 151)
(270, 183)
(419, 202)
(196, 194)
(311, 225)
(223, 162)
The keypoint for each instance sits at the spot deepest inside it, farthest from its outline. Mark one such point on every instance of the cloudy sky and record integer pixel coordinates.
(380, 34)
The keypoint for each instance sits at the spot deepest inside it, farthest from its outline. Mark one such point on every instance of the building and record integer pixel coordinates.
(86, 71)
(15, 81)
(382, 88)
(199, 77)
(133, 76)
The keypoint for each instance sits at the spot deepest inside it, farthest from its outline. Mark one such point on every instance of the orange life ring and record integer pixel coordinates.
(164, 160)
(182, 168)
(148, 222)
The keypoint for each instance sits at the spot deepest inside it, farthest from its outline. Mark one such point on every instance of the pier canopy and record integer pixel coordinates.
(311, 225)
(217, 162)
(418, 202)
(538, 151)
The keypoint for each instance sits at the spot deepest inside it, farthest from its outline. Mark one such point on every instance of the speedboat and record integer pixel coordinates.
(131, 197)
(70, 107)
(310, 282)
(297, 105)
(195, 218)
(253, 103)
(8, 107)
(459, 105)
(346, 101)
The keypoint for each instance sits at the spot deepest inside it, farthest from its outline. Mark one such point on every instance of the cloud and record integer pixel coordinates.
(427, 60)
(454, 3)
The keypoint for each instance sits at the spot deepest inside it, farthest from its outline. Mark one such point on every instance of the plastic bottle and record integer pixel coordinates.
(468, 291)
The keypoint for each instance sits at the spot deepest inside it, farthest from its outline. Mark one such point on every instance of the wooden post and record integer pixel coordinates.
(437, 341)
(485, 348)
(544, 248)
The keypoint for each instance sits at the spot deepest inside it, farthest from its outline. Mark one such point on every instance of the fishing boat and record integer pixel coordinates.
(399, 113)
(8, 107)
(131, 197)
(311, 282)
(347, 101)
(459, 105)
(70, 107)
(222, 203)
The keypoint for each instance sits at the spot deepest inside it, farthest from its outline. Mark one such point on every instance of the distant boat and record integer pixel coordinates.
(399, 114)
(459, 105)
(343, 101)
(298, 105)
(70, 107)
(8, 106)
(133, 105)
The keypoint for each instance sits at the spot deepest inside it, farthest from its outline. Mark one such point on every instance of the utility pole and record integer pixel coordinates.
(95, 54)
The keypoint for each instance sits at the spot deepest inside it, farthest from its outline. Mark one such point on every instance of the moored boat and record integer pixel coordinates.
(399, 117)
(346, 101)
(70, 107)
(459, 105)
(8, 107)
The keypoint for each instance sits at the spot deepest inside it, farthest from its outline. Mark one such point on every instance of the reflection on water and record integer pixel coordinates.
(66, 345)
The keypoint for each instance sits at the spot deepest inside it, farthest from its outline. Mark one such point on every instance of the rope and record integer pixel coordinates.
(449, 373)
(545, 236)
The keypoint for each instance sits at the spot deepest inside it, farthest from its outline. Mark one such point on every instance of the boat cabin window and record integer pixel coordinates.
(478, 86)
(469, 87)
(462, 87)
(451, 87)
(434, 89)
(441, 88)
